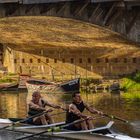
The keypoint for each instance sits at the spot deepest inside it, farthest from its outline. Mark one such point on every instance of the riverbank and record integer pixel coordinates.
(131, 83)
(9, 78)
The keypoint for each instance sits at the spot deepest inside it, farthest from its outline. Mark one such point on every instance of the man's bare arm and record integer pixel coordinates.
(52, 105)
(74, 109)
(93, 110)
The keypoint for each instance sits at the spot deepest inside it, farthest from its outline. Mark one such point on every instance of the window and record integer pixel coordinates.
(116, 60)
(15, 60)
(106, 60)
(97, 60)
(63, 60)
(80, 60)
(31, 60)
(134, 60)
(47, 60)
(89, 60)
(72, 60)
(23, 60)
(55, 60)
(125, 60)
(38, 60)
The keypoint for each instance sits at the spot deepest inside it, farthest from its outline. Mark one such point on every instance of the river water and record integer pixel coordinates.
(14, 105)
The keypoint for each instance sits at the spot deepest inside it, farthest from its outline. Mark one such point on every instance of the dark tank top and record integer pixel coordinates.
(70, 117)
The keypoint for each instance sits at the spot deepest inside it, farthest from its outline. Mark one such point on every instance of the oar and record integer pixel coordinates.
(36, 115)
(40, 126)
(24, 120)
(117, 118)
(134, 125)
(58, 128)
(57, 113)
(113, 117)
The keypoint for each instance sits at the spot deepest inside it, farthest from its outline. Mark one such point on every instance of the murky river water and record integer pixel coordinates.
(14, 104)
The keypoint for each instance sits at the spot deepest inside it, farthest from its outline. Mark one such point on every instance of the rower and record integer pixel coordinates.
(38, 105)
(74, 112)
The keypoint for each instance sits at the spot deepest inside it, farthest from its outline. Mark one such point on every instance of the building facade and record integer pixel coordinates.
(69, 63)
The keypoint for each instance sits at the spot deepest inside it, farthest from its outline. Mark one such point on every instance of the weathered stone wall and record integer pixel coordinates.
(69, 64)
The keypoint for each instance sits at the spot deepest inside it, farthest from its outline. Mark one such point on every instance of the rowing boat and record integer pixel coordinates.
(103, 132)
(70, 86)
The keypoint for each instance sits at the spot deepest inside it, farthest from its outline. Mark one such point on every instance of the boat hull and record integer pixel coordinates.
(10, 87)
(71, 86)
(63, 133)
(100, 133)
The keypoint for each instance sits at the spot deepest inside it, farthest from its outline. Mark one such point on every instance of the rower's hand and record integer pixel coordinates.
(58, 107)
(89, 117)
(49, 110)
(100, 113)
(84, 116)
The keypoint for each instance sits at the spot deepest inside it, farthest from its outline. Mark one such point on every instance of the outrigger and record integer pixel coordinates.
(58, 130)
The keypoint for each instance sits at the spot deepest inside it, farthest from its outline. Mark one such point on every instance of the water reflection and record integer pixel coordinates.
(14, 104)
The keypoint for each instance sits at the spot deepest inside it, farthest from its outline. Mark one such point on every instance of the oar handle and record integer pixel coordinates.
(117, 118)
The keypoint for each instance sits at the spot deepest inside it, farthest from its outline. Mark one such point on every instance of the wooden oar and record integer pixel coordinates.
(58, 128)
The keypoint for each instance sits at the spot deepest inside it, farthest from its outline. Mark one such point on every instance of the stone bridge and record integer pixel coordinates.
(122, 16)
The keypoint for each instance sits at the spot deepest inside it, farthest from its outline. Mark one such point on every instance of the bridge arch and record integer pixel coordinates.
(121, 16)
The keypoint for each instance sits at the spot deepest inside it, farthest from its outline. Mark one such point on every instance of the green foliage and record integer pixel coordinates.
(12, 74)
(132, 96)
(6, 80)
(137, 77)
(9, 78)
(130, 84)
